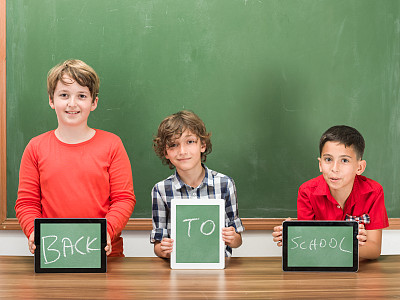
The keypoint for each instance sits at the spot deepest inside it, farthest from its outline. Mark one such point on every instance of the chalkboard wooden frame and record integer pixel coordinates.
(103, 243)
(285, 251)
(133, 224)
(175, 204)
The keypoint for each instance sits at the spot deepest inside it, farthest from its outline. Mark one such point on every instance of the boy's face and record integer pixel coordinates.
(185, 152)
(339, 166)
(72, 103)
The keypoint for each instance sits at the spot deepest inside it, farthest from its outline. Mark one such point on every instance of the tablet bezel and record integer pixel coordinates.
(220, 203)
(103, 243)
(286, 224)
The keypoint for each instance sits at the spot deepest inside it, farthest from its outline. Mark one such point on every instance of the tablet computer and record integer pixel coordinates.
(320, 246)
(196, 228)
(70, 245)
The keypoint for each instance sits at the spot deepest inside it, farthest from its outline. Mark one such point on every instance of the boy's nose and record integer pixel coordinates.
(182, 149)
(335, 167)
(72, 101)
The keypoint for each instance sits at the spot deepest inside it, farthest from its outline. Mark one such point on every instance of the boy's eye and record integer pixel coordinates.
(63, 95)
(172, 146)
(345, 160)
(82, 96)
(191, 141)
(328, 159)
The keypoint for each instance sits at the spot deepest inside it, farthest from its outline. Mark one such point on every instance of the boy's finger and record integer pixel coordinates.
(277, 233)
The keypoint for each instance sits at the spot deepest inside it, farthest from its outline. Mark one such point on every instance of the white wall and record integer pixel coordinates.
(136, 243)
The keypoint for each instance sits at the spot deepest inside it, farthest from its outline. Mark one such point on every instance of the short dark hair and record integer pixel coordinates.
(345, 135)
(172, 128)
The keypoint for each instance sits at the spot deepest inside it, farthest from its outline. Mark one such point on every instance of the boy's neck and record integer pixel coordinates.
(192, 177)
(74, 135)
(342, 195)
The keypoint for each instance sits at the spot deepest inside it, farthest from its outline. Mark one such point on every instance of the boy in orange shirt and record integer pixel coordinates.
(75, 171)
(342, 193)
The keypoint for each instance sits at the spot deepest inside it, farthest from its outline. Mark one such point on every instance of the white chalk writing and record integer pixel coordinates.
(201, 227)
(314, 244)
(68, 247)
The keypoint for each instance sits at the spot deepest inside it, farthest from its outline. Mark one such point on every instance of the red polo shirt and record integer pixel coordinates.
(315, 202)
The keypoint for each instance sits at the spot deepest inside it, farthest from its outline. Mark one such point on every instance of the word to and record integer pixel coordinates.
(67, 247)
(201, 227)
(314, 245)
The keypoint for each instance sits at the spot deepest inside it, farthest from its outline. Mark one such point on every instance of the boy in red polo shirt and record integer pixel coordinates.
(341, 193)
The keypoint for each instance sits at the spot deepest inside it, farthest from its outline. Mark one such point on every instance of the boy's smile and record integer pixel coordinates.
(72, 103)
(185, 152)
(339, 165)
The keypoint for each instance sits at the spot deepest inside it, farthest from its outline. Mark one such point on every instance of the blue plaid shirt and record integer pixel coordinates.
(214, 186)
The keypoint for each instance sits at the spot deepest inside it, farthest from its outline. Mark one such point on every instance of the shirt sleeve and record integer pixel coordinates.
(377, 212)
(305, 210)
(231, 208)
(122, 197)
(28, 206)
(160, 213)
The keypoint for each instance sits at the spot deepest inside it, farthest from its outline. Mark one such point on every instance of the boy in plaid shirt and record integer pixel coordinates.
(342, 193)
(183, 143)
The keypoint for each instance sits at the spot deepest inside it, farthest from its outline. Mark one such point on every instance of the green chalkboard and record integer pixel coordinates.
(268, 77)
(196, 228)
(320, 246)
(70, 245)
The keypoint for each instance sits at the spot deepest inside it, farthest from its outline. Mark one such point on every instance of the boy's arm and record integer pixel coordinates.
(370, 236)
(28, 205)
(163, 245)
(370, 243)
(231, 234)
(122, 197)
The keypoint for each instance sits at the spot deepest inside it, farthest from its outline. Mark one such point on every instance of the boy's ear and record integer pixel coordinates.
(319, 164)
(51, 103)
(94, 104)
(362, 164)
(203, 147)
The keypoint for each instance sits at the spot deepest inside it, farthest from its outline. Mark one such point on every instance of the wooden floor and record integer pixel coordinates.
(243, 278)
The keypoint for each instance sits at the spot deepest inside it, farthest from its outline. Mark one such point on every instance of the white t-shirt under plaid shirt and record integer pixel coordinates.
(214, 186)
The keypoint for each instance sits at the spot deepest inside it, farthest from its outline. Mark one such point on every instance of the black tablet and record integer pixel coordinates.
(320, 246)
(70, 245)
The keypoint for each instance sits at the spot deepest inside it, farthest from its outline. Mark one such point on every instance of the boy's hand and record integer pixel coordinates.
(362, 234)
(277, 233)
(231, 237)
(228, 235)
(167, 245)
(31, 243)
(108, 248)
(164, 248)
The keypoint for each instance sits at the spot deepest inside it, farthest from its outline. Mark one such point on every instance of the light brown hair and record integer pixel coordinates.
(77, 70)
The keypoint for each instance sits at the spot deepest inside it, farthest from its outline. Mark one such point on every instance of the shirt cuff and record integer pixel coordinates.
(158, 234)
(237, 224)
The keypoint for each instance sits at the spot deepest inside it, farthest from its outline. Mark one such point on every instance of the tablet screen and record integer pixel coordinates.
(320, 246)
(70, 245)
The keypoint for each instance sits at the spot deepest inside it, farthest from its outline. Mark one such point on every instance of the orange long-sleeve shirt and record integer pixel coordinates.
(92, 179)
